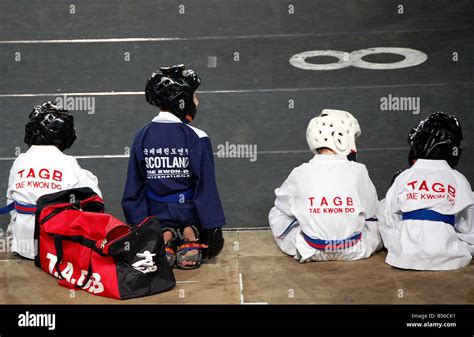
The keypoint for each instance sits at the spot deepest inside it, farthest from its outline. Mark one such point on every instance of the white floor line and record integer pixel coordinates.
(229, 37)
(101, 156)
(239, 91)
(241, 285)
(245, 229)
(270, 152)
(11, 260)
(186, 282)
(95, 93)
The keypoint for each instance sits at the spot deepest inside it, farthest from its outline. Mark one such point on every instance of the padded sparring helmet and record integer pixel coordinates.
(50, 125)
(438, 136)
(172, 89)
(335, 130)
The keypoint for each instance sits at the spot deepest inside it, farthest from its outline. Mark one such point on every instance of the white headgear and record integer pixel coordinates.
(334, 129)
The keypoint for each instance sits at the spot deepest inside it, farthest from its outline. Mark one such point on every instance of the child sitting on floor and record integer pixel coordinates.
(43, 169)
(325, 209)
(427, 217)
(171, 172)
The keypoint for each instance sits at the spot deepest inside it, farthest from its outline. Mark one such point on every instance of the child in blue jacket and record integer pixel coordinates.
(171, 172)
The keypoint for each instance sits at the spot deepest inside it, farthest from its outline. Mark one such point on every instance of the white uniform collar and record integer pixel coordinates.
(41, 148)
(435, 164)
(166, 117)
(318, 157)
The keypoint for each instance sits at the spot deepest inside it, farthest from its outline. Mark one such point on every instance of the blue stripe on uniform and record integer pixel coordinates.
(7, 209)
(427, 214)
(19, 207)
(288, 229)
(332, 244)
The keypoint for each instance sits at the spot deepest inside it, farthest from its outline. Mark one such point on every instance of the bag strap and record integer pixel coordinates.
(88, 276)
(58, 244)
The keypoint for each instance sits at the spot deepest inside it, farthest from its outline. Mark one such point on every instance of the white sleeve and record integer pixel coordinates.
(11, 185)
(9, 195)
(372, 238)
(388, 219)
(284, 196)
(284, 230)
(90, 180)
(282, 222)
(86, 178)
(372, 199)
(465, 226)
(386, 212)
(280, 216)
(11, 182)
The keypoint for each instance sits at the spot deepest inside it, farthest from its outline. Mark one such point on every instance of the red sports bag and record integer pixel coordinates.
(93, 251)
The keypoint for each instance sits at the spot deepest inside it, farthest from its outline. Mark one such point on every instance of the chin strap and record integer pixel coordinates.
(352, 156)
(188, 119)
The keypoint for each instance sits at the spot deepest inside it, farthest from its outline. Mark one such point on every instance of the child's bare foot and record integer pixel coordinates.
(189, 251)
(189, 235)
(167, 236)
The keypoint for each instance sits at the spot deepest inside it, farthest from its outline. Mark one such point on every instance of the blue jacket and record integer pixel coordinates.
(171, 158)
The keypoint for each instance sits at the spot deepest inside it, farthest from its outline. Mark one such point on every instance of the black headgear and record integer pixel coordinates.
(50, 125)
(172, 89)
(439, 136)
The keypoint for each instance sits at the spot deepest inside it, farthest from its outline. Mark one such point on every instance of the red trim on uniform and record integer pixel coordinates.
(25, 208)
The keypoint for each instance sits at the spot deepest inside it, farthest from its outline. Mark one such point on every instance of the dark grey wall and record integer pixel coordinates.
(244, 102)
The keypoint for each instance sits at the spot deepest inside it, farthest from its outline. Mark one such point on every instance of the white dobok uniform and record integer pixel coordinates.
(321, 211)
(40, 170)
(426, 219)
